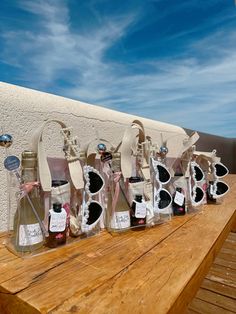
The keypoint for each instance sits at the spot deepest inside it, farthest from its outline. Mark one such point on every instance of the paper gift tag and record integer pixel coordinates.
(179, 198)
(140, 210)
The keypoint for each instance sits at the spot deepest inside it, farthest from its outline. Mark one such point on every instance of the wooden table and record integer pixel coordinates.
(157, 270)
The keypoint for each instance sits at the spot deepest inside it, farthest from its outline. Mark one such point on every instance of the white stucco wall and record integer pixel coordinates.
(22, 110)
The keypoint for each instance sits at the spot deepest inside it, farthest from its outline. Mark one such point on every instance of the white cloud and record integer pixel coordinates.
(193, 93)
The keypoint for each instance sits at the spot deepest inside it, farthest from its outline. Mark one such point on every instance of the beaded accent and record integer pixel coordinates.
(71, 145)
(193, 189)
(156, 163)
(85, 206)
(193, 164)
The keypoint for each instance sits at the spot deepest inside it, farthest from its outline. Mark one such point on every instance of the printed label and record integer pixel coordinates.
(30, 234)
(121, 220)
(57, 221)
(179, 198)
(140, 210)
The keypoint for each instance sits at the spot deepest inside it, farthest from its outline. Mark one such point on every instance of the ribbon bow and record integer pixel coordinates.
(26, 188)
(116, 178)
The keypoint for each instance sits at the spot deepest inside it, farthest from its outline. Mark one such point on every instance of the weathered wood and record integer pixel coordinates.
(226, 263)
(152, 271)
(85, 264)
(203, 307)
(216, 299)
(222, 274)
(12, 304)
(219, 288)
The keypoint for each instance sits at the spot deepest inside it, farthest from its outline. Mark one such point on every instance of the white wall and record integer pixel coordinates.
(22, 110)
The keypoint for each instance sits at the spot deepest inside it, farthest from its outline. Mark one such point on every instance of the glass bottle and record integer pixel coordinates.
(138, 211)
(178, 204)
(118, 207)
(28, 235)
(57, 226)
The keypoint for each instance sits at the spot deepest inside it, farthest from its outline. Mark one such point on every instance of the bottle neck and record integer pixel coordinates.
(138, 199)
(29, 174)
(116, 167)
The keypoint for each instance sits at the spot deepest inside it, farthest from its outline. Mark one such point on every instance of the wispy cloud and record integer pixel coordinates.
(195, 90)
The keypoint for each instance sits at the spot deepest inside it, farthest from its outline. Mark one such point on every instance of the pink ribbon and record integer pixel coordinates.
(116, 178)
(26, 188)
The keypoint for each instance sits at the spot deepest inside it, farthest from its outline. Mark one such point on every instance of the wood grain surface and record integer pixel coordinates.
(157, 270)
(217, 293)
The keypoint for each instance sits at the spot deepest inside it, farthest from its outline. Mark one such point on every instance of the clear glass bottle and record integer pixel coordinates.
(28, 235)
(118, 207)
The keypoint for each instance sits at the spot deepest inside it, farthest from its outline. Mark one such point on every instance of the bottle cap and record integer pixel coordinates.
(135, 179)
(179, 189)
(138, 198)
(29, 159)
(106, 156)
(56, 207)
(56, 183)
(116, 162)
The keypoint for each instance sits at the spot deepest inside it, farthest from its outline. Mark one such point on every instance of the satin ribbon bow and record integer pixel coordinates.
(26, 188)
(116, 178)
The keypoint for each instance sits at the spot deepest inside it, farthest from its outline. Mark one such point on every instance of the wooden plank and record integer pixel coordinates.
(203, 307)
(156, 270)
(190, 311)
(229, 251)
(221, 274)
(232, 236)
(219, 288)
(226, 263)
(227, 257)
(233, 228)
(101, 257)
(12, 304)
(156, 279)
(216, 299)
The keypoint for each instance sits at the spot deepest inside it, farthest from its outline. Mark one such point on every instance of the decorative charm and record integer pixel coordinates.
(101, 148)
(6, 140)
(163, 151)
(71, 144)
(12, 163)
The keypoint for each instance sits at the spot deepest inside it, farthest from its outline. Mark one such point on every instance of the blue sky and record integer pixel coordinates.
(169, 60)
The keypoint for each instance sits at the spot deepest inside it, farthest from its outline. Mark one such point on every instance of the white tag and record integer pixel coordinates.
(140, 209)
(121, 220)
(57, 220)
(30, 234)
(211, 189)
(179, 198)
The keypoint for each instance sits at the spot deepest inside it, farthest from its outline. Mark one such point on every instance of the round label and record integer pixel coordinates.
(12, 163)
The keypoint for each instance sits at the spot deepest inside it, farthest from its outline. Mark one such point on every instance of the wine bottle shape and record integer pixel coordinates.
(28, 234)
(118, 207)
(178, 204)
(57, 226)
(138, 211)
